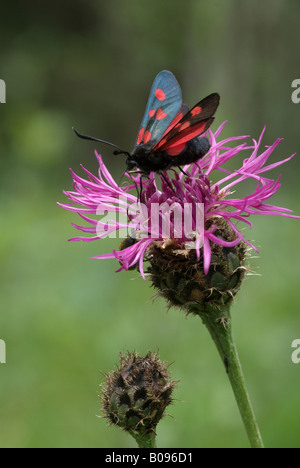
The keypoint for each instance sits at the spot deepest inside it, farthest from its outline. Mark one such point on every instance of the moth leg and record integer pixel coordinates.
(136, 186)
(168, 183)
(146, 176)
(182, 171)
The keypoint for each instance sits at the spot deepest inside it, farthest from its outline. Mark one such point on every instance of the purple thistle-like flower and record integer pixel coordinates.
(180, 195)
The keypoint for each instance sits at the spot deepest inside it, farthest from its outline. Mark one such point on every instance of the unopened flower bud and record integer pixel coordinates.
(136, 395)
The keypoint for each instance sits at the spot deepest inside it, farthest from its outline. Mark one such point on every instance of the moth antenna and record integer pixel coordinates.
(87, 137)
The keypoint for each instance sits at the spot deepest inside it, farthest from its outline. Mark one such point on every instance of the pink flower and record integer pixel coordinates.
(179, 195)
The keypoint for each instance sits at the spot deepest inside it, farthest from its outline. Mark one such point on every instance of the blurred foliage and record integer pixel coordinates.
(64, 317)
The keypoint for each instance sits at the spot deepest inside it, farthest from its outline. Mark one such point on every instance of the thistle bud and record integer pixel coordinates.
(136, 395)
(179, 275)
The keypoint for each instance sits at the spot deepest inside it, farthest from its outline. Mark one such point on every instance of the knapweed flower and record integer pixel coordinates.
(135, 396)
(188, 225)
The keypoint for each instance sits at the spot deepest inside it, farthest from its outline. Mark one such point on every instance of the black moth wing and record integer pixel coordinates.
(191, 125)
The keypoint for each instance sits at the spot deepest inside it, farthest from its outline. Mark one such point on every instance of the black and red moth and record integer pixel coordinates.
(169, 132)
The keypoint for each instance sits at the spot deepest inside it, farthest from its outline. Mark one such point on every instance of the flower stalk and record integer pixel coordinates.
(145, 440)
(218, 322)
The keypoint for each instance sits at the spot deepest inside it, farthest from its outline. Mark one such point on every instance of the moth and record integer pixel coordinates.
(170, 133)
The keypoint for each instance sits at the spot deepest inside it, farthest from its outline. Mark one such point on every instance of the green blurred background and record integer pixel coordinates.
(64, 317)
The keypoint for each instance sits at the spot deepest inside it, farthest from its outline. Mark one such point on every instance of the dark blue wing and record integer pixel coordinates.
(164, 102)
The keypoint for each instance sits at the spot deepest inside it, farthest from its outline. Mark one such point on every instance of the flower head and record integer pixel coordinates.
(189, 215)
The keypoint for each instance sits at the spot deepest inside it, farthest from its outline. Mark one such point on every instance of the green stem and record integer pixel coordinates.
(145, 440)
(218, 323)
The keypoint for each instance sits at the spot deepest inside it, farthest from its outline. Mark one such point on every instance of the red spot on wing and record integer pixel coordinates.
(160, 143)
(197, 110)
(176, 150)
(184, 126)
(147, 136)
(140, 136)
(177, 118)
(172, 124)
(160, 114)
(184, 136)
(159, 94)
(151, 113)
